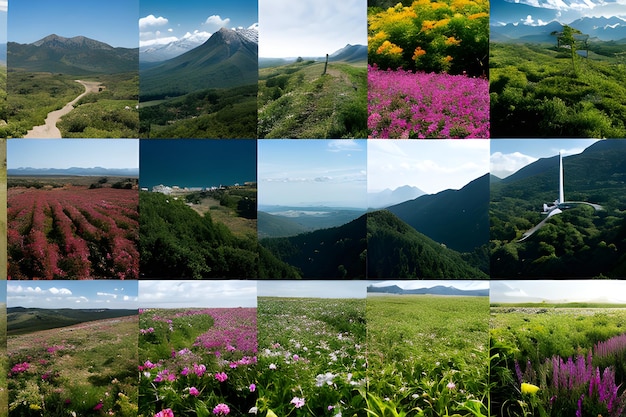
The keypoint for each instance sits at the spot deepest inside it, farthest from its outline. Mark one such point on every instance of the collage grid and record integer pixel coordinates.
(190, 260)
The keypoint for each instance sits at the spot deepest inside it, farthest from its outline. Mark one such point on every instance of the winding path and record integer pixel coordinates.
(49, 130)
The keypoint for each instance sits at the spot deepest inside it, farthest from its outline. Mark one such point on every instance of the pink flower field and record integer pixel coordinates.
(407, 105)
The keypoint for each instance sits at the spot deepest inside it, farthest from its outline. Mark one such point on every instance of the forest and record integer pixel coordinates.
(539, 90)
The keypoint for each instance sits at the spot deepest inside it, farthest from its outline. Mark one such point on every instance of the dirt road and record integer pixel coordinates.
(49, 130)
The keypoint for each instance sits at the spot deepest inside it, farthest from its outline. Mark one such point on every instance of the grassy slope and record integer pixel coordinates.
(296, 101)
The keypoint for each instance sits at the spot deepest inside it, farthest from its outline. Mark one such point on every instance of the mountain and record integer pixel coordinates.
(578, 243)
(396, 250)
(269, 225)
(76, 56)
(95, 171)
(227, 59)
(436, 290)
(457, 218)
(309, 218)
(389, 197)
(337, 252)
(602, 28)
(350, 53)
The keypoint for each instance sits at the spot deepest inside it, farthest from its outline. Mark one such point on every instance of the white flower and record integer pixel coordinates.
(272, 366)
(326, 378)
(253, 410)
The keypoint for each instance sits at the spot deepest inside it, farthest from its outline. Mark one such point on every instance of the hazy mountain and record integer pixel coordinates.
(389, 197)
(436, 290)
(396, 250)
(337, 252)
(77, 56)
(311, 218)
(95, 171)
(602, 28)
(457, 218)
(227, 59)
(350, 53)
(269, 225)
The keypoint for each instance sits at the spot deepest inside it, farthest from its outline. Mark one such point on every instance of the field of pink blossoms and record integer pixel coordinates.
(197, 362)
(407, 105)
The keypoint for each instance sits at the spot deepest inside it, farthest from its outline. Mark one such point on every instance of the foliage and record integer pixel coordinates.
(193, 360)
(432, 361)
(536, 93)
(84, 371)
(311, 356)
(433, 36)
(296, 101)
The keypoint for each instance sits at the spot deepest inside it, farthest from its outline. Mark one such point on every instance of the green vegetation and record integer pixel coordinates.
(338, 252)
(542, 91)
(214, 113)
(427, 355)
(395, 249)
(178, 242)
(297, 101)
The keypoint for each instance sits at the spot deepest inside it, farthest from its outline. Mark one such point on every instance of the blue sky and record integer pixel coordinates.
(66, 153)
(303, 172)
(510, 155)
(541, 12)
(430, 165)
(313, 289)
(164, 21)
(111, 21)
(608, 291)
(3, 21)
(197, 294)
(310, 28)
(72, 294)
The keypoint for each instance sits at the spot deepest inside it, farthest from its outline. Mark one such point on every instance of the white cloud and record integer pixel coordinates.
(60, 291)
(503, 165)
(197, 36)
(341, 145)
(215, 22)
(4, 5)
(150, 21)
(106, 294)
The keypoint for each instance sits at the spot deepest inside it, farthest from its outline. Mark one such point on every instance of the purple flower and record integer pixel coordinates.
(297, 402)
(221, 376)
(252, 387)
(194, 391)
(221, 409)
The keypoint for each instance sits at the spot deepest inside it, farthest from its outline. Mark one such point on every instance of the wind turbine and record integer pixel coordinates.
(558, 206)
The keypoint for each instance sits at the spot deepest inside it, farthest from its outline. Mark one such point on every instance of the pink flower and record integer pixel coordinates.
(194, 391)
(296, 357)
(98, 406)
(451, 385)
(165, 413)
(221, 409)
(252, 387)
(221, 376)
(297, 402)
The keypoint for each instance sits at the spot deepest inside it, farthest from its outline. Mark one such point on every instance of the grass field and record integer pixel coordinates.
(427, 355)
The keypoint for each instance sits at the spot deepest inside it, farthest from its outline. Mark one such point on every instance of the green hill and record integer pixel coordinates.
(396, 250)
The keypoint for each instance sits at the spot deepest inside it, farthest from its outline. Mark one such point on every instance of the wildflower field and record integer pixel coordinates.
(558, 361)
(88, 369)
(199, 362)
(427, 355)
(311, 357)
(72, 232)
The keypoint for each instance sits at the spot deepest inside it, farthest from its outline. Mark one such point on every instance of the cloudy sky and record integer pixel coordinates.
(111, 21)
(541, 12)
(72, 294)
(430, 165)
(510, 155)
(165, 21)
(313, 289)
(66, 153)
(310, 28)
(3, 22)
(610, 291)
(197, 294)
(310, 172)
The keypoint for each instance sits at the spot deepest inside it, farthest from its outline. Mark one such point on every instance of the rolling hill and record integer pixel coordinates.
(75, 56)
(227, 59)
(396, 250)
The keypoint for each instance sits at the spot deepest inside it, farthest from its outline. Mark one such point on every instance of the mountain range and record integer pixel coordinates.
(436, 290)
(78, 55)
(74, 171)
(227, 59)
(599, 28)
(350, 53)
(389, 197)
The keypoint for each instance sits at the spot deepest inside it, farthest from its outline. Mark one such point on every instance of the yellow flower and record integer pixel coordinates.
(418, 52)
(453, 41)
(270, 413)
(529, 388)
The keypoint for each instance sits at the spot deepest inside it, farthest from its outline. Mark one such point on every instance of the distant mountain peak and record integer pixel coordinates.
(56, 41)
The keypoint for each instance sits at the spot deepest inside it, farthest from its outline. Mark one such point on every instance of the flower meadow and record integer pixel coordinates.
(573, 368)
(407, 105)
(312, 357)
(197, 362)
(72, 233)
(82, 370)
